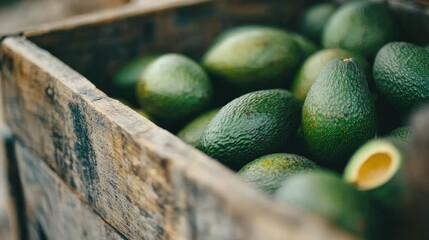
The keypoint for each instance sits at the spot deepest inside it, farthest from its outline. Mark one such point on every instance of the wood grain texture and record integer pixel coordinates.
(140, 179)
(53, 210)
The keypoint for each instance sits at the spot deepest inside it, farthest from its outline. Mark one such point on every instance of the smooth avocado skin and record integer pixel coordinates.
(314, 20)
(192, 131)
(268, 172)
(325, 193)
(250, 126)
(254, 57)
(360, 26)
(401, 75)
(338, 114)
(173, 87)
(125, 81)
(311, 68)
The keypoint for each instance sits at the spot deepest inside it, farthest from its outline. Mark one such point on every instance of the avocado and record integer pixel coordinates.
(173, 87)
(192, 132)
(360, 26)
(401, 133)
(250, 126)
(376, 169)
(268, 172)
(306, 45)
(338, 114)
(311, 68)
(314, 20)
(326, 194)
(254, 57)
(401, 75)
(124, 82)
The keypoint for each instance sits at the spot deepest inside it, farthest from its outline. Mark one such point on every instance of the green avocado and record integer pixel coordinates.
(360, 26)
(311, 68)
(250, 126)
(376, 169)
(401, 133)
(314, 20)
(306, 45)
(326, 194)
(268, 172)
(125, 81)
(173, 87)
(192, 132)
(401, 75)
(254, 57)
(338, 115)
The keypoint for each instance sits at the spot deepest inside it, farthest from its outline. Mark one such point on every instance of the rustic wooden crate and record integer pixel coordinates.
(140, 181)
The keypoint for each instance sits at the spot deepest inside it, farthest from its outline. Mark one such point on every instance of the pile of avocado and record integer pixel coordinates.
(292, 112)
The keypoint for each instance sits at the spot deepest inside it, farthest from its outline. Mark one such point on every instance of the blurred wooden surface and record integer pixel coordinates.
(8, 217)
(417, 172)
(19, 15)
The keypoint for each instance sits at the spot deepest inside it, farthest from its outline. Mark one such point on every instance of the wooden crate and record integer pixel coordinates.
(81, 152)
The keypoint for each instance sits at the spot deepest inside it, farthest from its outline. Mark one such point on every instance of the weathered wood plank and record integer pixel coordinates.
(8, 216)
(141, 179)
(53, 211)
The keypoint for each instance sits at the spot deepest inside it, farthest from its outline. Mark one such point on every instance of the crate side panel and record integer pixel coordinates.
(53, 210)
(81, 145)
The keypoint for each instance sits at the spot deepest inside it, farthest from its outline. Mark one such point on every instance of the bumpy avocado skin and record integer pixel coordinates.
(360, 26)
(192, 132)
(314, 20)
(311, 68)
(401, 133)
(325, 193)
(254, 57)
(268, 172)
(250, 126)
(401, 75)
(338, 114)
(173, 87)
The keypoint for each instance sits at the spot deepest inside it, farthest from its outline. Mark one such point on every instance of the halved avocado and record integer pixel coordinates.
(376, 169)
(374, 164)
